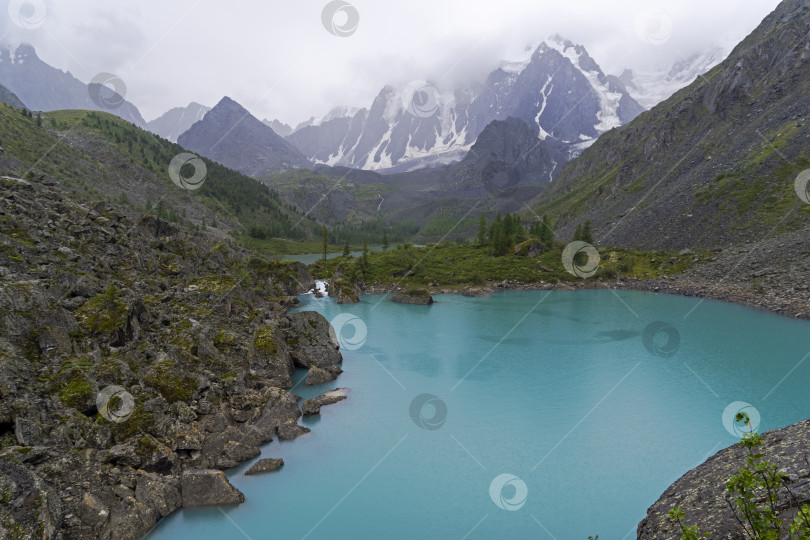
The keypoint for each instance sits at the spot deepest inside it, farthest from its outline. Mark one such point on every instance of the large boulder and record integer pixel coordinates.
(281, 415)
(317, 375)
(308, 338)
(418, 297)
(207, 487)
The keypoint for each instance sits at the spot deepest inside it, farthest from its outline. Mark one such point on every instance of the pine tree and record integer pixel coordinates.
(587, 234)
(578, 233)
(385, 242)
(546, 232)
(482, 230)
(364, 258)
(346, 249)
(325, 242)
(520, 232)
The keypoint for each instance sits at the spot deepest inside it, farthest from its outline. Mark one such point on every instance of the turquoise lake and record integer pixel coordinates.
(591, 416)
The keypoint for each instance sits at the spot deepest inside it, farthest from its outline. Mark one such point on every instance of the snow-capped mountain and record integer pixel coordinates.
(173, 123)
(651, 87)
(559, 91)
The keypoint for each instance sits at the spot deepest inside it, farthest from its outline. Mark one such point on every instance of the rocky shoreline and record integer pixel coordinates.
(138, 361)
(790, 305)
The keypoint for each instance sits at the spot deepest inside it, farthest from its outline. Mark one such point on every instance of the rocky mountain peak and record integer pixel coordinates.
(229, 134)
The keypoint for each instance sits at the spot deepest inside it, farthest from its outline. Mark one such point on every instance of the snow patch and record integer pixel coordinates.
(608, 114)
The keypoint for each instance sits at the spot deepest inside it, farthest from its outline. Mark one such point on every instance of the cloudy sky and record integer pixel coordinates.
(293, 60)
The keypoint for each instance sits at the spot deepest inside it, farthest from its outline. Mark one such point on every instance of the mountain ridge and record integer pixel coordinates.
(713, 165)
(420, 122)
(45, 88)
(232, 136)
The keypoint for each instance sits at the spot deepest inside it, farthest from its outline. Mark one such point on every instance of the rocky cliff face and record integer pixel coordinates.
(230, 135)
(136, 361)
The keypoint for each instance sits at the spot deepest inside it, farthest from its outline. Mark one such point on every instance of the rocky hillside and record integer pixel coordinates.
(230, 135)
(137, 360)
(558, 90)
(98, 156)
(712, 166)
(44, 88)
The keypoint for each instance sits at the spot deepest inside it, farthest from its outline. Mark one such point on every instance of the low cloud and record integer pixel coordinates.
(277, 59)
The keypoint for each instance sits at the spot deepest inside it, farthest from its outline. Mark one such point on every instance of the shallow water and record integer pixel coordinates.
(564, 391)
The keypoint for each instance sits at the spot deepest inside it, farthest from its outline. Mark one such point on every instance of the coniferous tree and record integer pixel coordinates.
(325, 242)
(346, 249)
(578, 233)
(385, 242)
(364, 258)
(587, 233)
(482, 230)
(546, 232)
(520, 232)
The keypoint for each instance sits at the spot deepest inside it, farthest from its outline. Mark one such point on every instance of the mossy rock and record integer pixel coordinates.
(215, 284)
(171, 384)
(79, 394)
(103, 314)
(224, 338)
(265, 342)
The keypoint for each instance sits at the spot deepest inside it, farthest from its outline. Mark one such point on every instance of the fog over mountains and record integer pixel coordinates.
(557, 89)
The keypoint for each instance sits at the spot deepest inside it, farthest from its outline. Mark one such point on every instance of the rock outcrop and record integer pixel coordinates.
(313, 406)
(419, 297)
(208, 488)
(317, 375)
(702, 495)
(265, 465)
